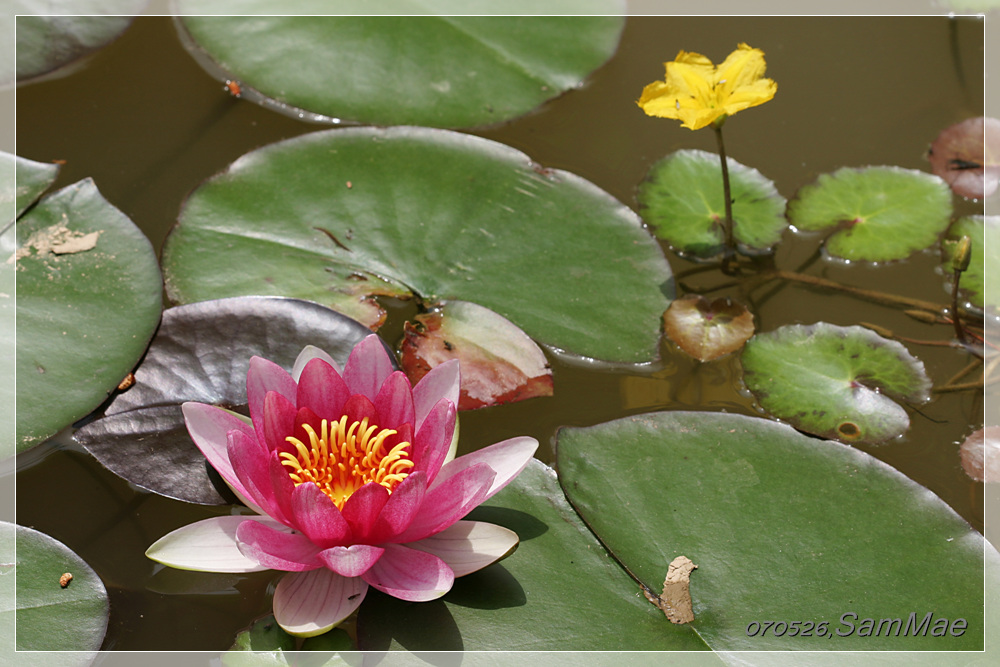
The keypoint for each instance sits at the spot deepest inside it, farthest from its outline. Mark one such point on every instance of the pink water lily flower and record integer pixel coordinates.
(352, 478)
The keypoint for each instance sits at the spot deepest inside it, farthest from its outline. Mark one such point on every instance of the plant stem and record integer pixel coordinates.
(959, 331)
(729, 252)
(872, 295)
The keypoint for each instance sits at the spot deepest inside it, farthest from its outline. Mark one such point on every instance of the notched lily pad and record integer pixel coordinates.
(973, 280)
(707, 330)
(29, 179)
(201, 353)
(88, 301)
(878, 213)
(452, 71)
(835, 382)
(499, 363)
(980, 454)
(477, 221)
(61, 604)
(682, 200)
(967, 156)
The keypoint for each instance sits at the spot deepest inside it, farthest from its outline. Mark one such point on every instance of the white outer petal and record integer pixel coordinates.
(310, 603)
(208, 546)
(308, 353)
(468, 546)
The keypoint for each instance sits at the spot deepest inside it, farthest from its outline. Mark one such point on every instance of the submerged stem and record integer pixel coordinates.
(729, 256)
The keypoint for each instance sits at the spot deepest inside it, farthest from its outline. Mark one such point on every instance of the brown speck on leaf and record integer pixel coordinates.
(127, 382)
(349, 185)
(675, 601)
(65, 579)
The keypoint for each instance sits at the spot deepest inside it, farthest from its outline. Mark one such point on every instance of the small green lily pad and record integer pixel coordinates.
(879, 213)
(347, 213)
(439, 71)
(791, 534)
(682, 200)
(88, 301)
(972, 281)
(50, 616)
(835, 382)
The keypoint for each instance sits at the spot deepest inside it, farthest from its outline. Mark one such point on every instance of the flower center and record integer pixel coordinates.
(340, 460)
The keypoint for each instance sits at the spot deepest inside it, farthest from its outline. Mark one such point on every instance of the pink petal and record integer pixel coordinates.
(449, 501)
(316, 516)
(368, 367)
(276, 549)
(357, 408)
(352, 561)
(363, 507)
(252, 469)
(410, 574)
(265, 376)
(468, 546)
(209, 545)
(282, 486)
(433, 439)
(442, 381)
(278, 421)
(508, 458)
(308, 353)
(208, 426)
(394, 402)
(322, 390)
(310, 603)
(403, 505)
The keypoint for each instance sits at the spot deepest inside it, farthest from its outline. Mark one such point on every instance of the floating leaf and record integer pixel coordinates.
(477, 221)
(880, 213)
(784, 528)
(980, 454)
(544, 597)
(8, 348)
(835, 382)
(973, 278)
(967, 156)
(682, 199)
(500, 364)
(45, 43)
(441, 71)
(201, 353)
(50, 617)
(88, 301)
(24, 182)
(707, 330)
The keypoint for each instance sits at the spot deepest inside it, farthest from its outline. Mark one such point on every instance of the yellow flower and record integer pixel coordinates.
(699, 93)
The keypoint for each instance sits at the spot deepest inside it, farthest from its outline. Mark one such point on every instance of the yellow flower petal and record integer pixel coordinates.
(698, 93)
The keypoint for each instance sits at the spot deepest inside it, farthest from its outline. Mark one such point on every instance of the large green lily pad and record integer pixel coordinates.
(879, 213)
(683, 200)
(24, 182)
(201, 353)
(337, 216)
(88, 301)
(783, 527)
(558, 591)
(50, 617)
(835, 382)
(441, 71)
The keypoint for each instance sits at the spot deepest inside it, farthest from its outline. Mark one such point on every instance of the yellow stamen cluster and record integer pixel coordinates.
(341, 459)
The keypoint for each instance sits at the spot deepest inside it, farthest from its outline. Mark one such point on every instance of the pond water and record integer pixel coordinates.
(148, 125)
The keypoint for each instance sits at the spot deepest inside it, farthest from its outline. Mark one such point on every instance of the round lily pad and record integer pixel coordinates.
(797, 540)
(61, 602)
(879, 213)
(835, 382)
(88, 301)
(707, 330)
(344, 214)
(201, 353)
(972, 281)
(682, 199)
(440, 71)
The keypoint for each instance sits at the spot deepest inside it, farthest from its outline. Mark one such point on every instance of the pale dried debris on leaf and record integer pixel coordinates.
(675, 601)
(57, 240)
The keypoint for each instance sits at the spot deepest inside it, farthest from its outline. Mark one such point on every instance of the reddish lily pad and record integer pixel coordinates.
(500, 364)
(835, 382)
(967, 156)
(682, 199)
(980, 454)
(879, 213)
(201, 353)
(451, 71)
(707, 330)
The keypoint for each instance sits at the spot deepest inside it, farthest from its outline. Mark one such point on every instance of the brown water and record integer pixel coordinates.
(149, 125)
